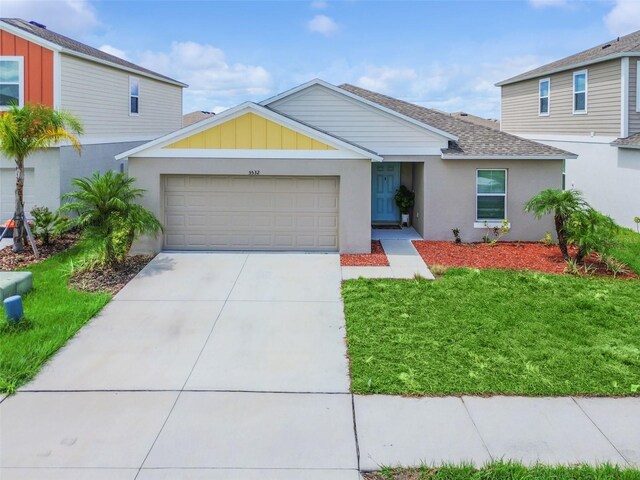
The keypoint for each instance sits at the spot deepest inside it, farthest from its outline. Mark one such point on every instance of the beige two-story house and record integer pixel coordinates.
(589, 104)
(120, 105)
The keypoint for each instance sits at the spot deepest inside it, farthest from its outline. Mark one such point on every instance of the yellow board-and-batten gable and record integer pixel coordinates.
(250, 132)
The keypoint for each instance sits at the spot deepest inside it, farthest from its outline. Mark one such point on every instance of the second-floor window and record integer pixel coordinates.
(580, 92)
(134, 96)
(543, 104)
(11, 82)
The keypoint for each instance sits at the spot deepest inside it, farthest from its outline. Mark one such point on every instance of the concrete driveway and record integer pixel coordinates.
(204, 366)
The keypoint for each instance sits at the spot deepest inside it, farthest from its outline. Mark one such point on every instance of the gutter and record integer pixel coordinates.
(509, 157)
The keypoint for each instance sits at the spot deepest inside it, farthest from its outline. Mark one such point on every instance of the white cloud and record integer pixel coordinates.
(319, 4)
(548, 3)
(624, 17)
(114, 51)
(384, 79)
(214, 83)
(69, 17)
(323, 25)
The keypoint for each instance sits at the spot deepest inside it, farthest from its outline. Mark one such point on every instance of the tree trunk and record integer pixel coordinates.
(19, 232)
(562, 236)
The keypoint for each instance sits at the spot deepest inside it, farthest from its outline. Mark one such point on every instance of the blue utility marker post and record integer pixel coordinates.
(13, 308)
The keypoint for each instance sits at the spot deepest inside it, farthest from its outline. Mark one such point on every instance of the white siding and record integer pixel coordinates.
(99, 95)
(347, 118)
(634, 115)
(520, 104)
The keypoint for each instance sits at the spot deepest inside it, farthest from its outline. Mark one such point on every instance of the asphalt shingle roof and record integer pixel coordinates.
(630, 140)
(473, 139)
(628, 43)
(75, 46)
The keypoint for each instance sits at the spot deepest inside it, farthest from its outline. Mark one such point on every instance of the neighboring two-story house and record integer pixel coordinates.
(589, 104)
(120, 104)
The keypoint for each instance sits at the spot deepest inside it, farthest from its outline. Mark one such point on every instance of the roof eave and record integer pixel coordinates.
(449, 156)
(630, 146)
(568, 67)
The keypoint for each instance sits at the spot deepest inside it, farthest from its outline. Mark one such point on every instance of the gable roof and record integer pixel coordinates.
(360, 99)
(474, 141)
(73, 47)
(239, 110)
(195, 117)
(626, 46)
(469, 117)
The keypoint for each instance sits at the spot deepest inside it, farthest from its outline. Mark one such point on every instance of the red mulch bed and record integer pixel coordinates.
(377, 257)
(11, 261)
(507, 255)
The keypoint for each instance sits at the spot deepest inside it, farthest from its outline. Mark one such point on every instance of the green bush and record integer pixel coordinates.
(591, 231)
(48, 225)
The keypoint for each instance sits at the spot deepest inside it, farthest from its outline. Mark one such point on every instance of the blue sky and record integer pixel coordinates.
(445, 54)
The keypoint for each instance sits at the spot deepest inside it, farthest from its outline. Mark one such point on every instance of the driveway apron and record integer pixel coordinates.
(217, 365)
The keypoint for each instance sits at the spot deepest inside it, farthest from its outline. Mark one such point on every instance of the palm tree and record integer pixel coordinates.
(25, 130)
(562, 204)
(108, 212)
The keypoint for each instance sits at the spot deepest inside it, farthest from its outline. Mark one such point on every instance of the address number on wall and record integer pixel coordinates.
(254, 172)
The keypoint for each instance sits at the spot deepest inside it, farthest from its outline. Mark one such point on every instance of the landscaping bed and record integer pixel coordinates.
(484, 332)
(508, 255)
(12, 261)
(108, 279)
(507, 471)
(377, 257)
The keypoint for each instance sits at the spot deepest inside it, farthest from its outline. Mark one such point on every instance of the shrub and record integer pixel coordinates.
(456, 235)
(590, 231)
(111, 218)
(48, 225)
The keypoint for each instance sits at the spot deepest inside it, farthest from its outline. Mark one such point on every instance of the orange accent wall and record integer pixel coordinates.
(38, 67)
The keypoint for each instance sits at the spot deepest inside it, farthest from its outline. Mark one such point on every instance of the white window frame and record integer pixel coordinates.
(482, 222)
(586, 92)
(638, 86)
(548, 97)
(131, 80)
(20, 61)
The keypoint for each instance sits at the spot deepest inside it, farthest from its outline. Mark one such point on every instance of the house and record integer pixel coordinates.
(314, 167)
(120, 104)
(194, 117)
(469, 117)
(589, 104)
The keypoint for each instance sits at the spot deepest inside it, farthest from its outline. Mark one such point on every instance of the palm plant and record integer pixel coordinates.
(562, 204)
(108, 212)
(25, 130)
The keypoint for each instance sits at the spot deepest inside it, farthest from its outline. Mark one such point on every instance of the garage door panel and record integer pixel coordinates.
(246, 213)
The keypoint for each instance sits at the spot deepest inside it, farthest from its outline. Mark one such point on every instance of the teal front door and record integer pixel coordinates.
(385, 180)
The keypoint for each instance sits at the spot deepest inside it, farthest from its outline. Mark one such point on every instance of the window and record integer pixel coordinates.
(134, 96)
(543, 104)
(11, 82)
(491, 195)
(580, 92)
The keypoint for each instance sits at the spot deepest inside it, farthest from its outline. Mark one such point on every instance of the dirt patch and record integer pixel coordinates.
(507, 255)
(12, 261)
(106, 279)
(377, 257)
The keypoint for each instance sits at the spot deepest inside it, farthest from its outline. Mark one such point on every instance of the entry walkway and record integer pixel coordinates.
(404, 260)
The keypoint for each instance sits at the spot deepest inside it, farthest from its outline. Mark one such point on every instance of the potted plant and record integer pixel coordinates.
(405, 199)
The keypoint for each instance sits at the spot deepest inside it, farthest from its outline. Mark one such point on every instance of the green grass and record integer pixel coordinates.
(494, 331)
(628, 249)
(507, 471)
(53, 314)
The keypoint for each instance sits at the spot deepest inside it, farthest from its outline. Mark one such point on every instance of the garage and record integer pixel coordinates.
(251, 212)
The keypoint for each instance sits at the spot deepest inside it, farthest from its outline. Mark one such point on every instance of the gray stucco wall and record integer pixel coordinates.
(98, 157)
(355, 189)
(450, 189)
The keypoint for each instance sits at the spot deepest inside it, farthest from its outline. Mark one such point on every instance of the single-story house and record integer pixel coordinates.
(315, 167)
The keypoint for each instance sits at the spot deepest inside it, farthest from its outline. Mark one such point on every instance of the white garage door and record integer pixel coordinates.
(7, 192)
(214, 212)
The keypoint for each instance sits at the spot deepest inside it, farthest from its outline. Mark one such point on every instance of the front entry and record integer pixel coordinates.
(385, 180)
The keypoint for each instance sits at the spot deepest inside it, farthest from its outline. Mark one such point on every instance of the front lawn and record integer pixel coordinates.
(627, 249)
(494, 332)
(54, 313)
(507, 471)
